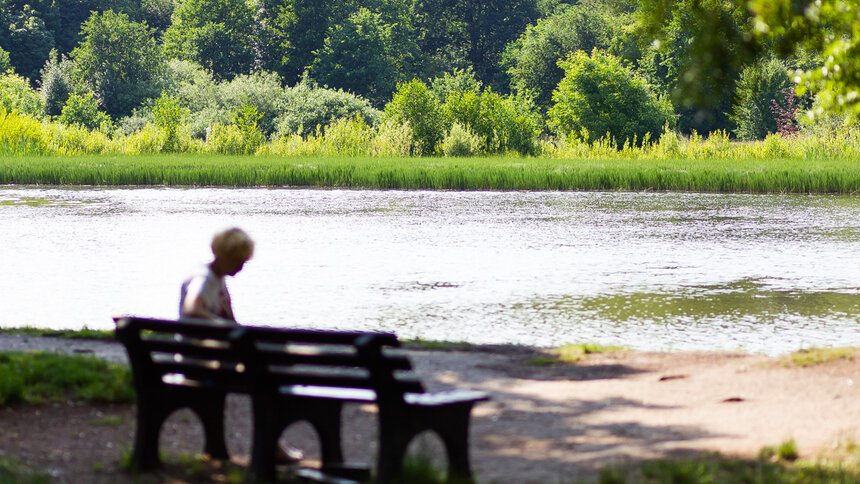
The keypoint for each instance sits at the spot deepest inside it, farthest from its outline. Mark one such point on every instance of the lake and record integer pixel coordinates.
(761, 273)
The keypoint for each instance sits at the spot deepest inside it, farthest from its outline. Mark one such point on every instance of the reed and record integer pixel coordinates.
(760, 175)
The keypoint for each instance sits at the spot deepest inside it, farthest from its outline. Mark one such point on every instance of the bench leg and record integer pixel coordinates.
(264, 443)
(211, 412)
(453, 428)
(394, 436)
(325, 417)
(150, 416)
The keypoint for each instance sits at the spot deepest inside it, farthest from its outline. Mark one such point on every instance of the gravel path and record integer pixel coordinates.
(545, 424)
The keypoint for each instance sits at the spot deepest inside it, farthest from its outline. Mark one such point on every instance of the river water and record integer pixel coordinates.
(761, 273)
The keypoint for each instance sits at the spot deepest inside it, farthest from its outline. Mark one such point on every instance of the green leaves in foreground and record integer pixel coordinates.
(46, 377)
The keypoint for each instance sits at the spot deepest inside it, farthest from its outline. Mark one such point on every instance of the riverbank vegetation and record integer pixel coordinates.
(763, 175)
(565, 79)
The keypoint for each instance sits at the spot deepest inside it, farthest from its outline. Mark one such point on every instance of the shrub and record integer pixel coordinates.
(76, 140)
(461, 142)
(5, 63)
(17, 95)
(415, 104)
(261, 89)
(246, 118)
(601, 97)
(392, 139)
(348, 137)
(21, 135)
(56, 84)
(167, 116)
(501, 123)
(306, 106)
(758, 87)
(83, 110)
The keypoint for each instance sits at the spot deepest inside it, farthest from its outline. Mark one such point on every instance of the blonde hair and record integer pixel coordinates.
(233, 243)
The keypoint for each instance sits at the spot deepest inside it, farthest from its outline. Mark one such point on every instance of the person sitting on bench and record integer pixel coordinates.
(205, 295)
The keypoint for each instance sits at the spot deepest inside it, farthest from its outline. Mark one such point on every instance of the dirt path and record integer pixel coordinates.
(545, 424)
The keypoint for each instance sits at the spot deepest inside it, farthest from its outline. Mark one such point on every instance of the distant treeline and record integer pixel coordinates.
(500, 75)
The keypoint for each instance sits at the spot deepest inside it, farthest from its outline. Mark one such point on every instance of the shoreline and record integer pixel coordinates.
(545, 423)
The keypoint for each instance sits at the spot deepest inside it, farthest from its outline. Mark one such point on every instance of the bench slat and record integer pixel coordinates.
(271, 356)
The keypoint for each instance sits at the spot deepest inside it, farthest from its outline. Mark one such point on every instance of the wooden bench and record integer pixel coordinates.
(291, 376)
(180, 365)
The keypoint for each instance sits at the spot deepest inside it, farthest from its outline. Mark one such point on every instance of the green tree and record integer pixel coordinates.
(17, 95)
(533, 58)
(307, 107)
(825, 26)
(25, 37)
(83, 110)
(759, 87)
(703, 94)
(168, 114)
(217, 34)
(56, 85)
(599, 96)
(414, 103)
(357, 56)
(119, 60)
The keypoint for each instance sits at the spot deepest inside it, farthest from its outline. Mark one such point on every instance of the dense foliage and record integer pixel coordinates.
(447, 72)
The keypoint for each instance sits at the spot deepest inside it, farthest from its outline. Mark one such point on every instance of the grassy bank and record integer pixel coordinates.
(754, 175)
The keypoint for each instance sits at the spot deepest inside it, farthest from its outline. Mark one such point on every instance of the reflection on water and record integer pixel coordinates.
(647, 270)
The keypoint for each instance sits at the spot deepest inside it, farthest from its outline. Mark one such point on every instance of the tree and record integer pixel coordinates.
(533, 58)
(17, 95)
(414, 103)
(599, 96)
(217, 34)
(759, 87)
(825, 26)
(83, 110)
(119, 60)
(56, 85)
(357, 56)
(25, 37)
(5, 63)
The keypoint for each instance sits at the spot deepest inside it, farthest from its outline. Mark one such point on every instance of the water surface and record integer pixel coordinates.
(764, 273)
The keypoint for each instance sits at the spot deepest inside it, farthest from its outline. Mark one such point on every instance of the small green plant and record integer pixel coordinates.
(818, 356)
(461, 142)
(246, 119)
(784, 452)
(572, 353)
(11, 472)
(39, 377)
(108, 421)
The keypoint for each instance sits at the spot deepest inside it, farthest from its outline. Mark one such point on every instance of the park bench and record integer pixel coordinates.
(291, 375)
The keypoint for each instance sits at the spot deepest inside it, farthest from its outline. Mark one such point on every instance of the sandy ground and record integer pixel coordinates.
(544, 424)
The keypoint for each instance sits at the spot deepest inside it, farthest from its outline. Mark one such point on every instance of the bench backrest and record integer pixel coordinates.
(337, 359)
(182, 353)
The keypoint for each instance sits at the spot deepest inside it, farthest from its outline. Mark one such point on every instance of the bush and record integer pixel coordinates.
(599, 96)
(167, 116)
(348, 137)
(415, 104)
(17, 95)
(461, 142)
(759, 86)
(262, 90)
(83, 110)
(502, 124)
(56, 85)
(21, 135)
(5, 63)
(392, 139)
(306, 106)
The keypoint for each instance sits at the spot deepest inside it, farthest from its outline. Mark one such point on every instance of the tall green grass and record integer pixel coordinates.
(497, 173)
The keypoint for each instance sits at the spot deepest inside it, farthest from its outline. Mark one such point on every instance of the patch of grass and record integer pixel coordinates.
(775, 465)
(572, 353)
(818, 356)
(201, 468)
(784, 452)
(436, 345)
(37, 377)
(13, 473)
(108, 421)
(83, 333)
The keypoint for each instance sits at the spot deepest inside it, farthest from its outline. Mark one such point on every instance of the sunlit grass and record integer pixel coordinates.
(778, 464)
(572, 353)
(487, 173)
(819, 356)
(46, 377)
(83, 333)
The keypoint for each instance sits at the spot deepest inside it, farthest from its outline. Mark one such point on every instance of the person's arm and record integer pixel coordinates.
(194, 307)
